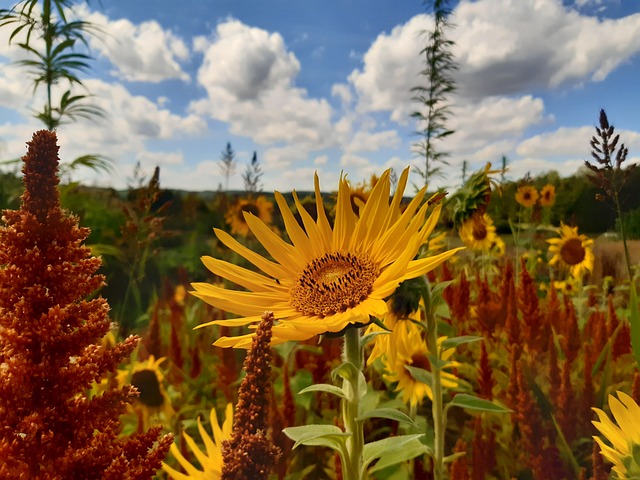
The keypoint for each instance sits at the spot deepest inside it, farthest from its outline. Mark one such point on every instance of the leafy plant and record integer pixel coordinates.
(439, 67)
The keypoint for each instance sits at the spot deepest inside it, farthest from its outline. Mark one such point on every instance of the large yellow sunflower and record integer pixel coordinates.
(572, 251)
(210, 460)
(479, 233)
(329, 277)
(547, 195)
(527, 196)
(624, 437)
(260, 207)
(417, 355)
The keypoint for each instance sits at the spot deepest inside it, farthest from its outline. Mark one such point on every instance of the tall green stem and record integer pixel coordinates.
(437, 409)
(352, 353)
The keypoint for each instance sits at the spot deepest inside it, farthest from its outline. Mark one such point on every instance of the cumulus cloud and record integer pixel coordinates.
(531, 44)
(536, 44)
(249, 76)
(143, 52)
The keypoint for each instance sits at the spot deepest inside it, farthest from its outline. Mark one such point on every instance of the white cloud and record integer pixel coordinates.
(391, 68)
(536, 44)
(249, 76)
(529, 44)
(142, 52)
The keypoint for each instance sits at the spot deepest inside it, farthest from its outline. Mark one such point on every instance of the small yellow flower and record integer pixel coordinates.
(572, 251)
(211, 459)
(527, 196)
(547, 195)
(624, 451)
(479, 232)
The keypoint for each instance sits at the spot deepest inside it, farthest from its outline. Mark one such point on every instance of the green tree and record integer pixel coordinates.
(439, 67)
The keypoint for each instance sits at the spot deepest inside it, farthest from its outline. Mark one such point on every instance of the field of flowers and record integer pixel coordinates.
(373, 332)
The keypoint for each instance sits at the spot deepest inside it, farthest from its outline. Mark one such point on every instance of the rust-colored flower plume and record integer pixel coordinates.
(50, 351)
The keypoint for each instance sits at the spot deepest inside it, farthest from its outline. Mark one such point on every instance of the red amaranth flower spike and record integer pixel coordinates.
(249, 454)
(50, 351)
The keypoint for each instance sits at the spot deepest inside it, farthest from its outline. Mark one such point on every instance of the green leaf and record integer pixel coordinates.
(377, 449)
(453, 456)
(370, 336)
(634, 321)
(457, 341)
(420, 374)
(318, 435)
(324, 387)
(389, 413)
(471, 402)
(410, 450)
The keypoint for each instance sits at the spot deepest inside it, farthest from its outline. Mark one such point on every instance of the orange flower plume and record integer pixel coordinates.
(50, 352)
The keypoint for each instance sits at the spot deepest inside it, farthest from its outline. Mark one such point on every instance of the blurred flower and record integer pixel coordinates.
(570, 286)
(417, 355)
(624, 437)
(211, 459)
(153, 405)
(437, 243)
(479, 233)
(329, 278)
(527, 196)
(498, 248)
(572, 251)
(235, 216)
(547, 195)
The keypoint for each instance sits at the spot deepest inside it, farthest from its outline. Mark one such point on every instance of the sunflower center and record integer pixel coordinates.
(147, 384)
(479, 231)
(420, 360)
(572, 251)
(250, 208)
(334, 283)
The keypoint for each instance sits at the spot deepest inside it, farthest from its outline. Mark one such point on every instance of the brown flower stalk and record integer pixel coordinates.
(250, 455)
(50, 352)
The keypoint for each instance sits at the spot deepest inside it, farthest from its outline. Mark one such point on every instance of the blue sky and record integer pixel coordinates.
(324, 86)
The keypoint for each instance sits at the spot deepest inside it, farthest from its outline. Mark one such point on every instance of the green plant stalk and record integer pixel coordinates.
(352, 353)
(437, 408)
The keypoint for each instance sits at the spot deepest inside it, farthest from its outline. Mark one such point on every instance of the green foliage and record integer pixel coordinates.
(439, 67)
(51, 46)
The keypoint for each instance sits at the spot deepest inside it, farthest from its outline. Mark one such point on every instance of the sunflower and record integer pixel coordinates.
(387, 346)
(624, 437)
(570, 286)
(153, 404)
(547, 195)
(211, 460)
(235, 218)
(572, 251)
(479, 233)
(527, 196)
(328, 278)
(417, 355)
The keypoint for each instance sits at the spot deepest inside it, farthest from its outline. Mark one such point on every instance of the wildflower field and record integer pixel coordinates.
(374, 329)
(363, 330)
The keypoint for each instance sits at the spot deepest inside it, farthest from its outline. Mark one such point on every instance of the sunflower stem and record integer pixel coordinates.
(352, 353)
(437, 410)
